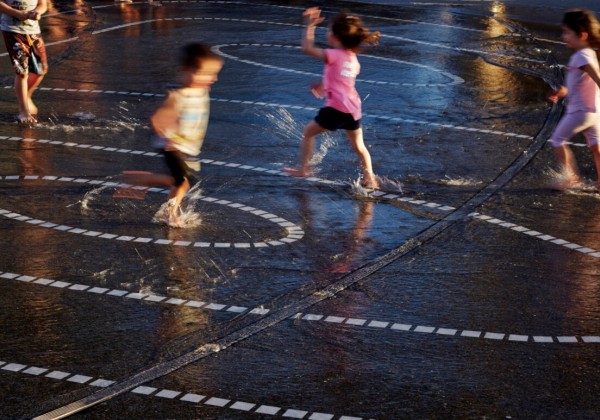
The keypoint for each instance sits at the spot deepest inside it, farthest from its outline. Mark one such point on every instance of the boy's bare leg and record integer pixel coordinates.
(147, 179)
(175, 197)
(307, 149)
(33, 81)
(21, 89)
(358, 144)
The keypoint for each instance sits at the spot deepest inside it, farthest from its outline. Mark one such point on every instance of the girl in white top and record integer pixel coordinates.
(581, 32)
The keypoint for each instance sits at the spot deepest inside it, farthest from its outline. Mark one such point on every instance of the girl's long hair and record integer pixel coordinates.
(579, 21)
(351, 32)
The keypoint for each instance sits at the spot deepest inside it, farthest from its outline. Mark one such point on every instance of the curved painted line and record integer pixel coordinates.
(455, 79)
(328, 319)
(380, 195)
(170, 394)
(294, 232)
(431, 44)
(298, 107)
(179, 2)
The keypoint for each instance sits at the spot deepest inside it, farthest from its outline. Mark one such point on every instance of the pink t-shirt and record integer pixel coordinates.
(339, 77)
(582, 92)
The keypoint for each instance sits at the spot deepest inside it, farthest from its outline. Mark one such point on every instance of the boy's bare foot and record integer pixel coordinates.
(26, 118)
(299, 173)
(33, 110)
(369, 181)
(566, 184)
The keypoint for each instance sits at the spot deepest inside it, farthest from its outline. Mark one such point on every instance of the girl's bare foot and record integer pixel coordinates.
(299, 173)
(26, 118)
(369, 181)
(566, 184)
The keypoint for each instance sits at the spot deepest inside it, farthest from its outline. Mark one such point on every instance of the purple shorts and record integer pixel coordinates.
(574, 123)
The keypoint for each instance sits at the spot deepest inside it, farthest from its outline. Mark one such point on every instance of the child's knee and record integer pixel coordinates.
(557, 142)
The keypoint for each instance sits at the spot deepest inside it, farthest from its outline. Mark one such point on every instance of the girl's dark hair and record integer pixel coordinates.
(579, 21)
(193, 55)
(350, 31)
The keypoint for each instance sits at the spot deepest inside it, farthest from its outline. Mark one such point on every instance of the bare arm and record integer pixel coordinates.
(312, 18)
(593, 73)
(40, 9)
(165, 119)
(5, 9)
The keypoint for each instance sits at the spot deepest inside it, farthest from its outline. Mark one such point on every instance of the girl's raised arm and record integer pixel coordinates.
(312, 17)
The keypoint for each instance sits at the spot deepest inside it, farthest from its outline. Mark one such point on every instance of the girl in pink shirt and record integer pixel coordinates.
(581, 32)
(343, 105)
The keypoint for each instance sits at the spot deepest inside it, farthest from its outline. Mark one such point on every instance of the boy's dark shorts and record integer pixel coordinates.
(19, 51)
(176, 162)
(332, 119)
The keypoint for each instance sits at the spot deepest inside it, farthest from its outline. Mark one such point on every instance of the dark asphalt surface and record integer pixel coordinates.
(464, 288)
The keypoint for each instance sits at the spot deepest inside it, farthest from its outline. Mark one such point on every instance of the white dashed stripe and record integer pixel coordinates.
(294, 232)
(170, 394)
(535, 234)
(466, 50)
(147, 297)
(330, 319)
(454, 79)
(296, 107)
(453, 332)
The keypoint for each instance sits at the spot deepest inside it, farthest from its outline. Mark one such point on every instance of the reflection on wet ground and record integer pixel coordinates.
(463, 288)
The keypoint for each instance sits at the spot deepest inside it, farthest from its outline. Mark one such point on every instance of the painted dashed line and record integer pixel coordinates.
(535, 234)
(126, 294)
(455, 79)
(452, 332)
(465, 50)
(170, 394)
(328, 319)
(303, 108)
(294, 232)
(238, 20)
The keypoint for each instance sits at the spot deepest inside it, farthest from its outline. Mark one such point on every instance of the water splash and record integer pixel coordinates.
(189, 217)
(385, 184)
(90, 196)
(283, 125)
(586, 187)
(460, 182)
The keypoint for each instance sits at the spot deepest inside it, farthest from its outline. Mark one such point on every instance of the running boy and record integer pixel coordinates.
(180, 124)
(343, 105)
(581, 33)
(22, 36)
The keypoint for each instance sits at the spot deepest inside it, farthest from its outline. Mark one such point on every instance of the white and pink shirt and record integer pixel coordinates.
(339, 78)
(582, 92)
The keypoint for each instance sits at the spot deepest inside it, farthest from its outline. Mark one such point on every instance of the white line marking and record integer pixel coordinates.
(171, 394)
(454, 79)
(327, 319)
(293, 232)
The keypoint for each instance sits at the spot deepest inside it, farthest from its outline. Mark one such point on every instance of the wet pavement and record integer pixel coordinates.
(464, 288)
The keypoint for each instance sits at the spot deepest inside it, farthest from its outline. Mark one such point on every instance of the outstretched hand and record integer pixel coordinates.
(312, 16)
(318, 90)
(558, 94)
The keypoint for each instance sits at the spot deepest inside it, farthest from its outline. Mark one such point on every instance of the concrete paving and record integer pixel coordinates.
(463, 288)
